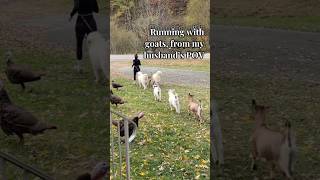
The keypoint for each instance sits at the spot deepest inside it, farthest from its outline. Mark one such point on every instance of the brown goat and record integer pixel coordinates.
(275, 147)
(194, 107)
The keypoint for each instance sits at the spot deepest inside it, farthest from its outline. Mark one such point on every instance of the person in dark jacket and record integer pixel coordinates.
(136, 63)
(85, 23)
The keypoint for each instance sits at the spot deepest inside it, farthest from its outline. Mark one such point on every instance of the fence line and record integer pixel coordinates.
(27, 169)
(127, 153)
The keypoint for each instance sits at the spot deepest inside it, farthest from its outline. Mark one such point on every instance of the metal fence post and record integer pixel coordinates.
(112, 148)
(120, 154)
(27, 169)
(126, 133)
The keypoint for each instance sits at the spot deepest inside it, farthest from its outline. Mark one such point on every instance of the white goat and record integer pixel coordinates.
(156, 77)
(157, 92)
(97, 46)
(142, 80)
(278, 148)
(174, 100)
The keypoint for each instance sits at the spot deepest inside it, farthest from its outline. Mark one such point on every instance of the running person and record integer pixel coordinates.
(136, 63)
(85, 23)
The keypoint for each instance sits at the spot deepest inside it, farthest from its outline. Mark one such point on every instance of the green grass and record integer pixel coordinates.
(304, 23)
(67, 99)
(192, 65)
(289, 99)
(168, 145)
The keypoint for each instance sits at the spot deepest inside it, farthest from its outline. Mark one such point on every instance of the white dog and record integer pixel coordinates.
(156, 77)
(97, 46)
(142, 80)
(174, 100)
(156, 92)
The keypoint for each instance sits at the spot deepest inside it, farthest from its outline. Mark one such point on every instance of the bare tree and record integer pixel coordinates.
(150, 12)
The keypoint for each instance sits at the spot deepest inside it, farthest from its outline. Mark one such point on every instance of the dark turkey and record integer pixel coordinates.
(15, 120)
(114, 99)
(135, 119)
(116, 85)
(20, 74)
(98, 173)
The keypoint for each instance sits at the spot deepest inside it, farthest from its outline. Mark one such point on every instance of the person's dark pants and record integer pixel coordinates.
(134, 74)
(82, 30)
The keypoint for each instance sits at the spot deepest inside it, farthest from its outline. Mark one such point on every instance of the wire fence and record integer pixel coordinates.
(117, 171)
(27, 170)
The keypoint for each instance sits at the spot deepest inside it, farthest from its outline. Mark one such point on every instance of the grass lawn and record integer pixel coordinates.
(192, 65)
(289, 99)
(71, 101)
(303, 23)
(168, 145)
